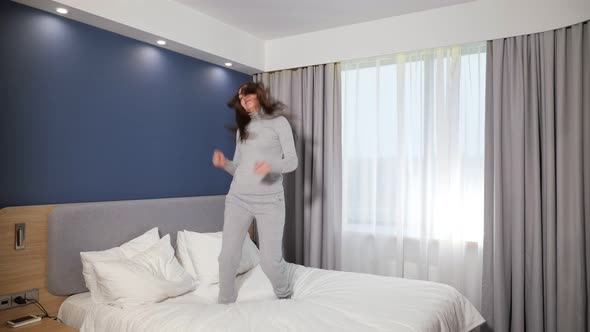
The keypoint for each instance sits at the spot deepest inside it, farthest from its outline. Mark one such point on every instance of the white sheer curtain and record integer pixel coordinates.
(412, 164)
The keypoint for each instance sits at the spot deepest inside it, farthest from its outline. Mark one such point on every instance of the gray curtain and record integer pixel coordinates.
(313, 191)
(537, 182)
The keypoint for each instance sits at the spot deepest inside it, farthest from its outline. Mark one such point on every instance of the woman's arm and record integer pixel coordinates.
(289, 161)
(230, 166)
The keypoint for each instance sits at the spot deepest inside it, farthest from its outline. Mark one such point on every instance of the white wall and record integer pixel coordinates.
(469, 22)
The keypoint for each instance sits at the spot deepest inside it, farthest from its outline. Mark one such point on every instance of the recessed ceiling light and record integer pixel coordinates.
(228, 64)
(161, 42)
(62, 10)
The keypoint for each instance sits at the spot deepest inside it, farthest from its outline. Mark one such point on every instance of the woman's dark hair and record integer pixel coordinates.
(270, 106)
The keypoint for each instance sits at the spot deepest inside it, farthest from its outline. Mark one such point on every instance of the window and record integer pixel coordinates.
(413, 144)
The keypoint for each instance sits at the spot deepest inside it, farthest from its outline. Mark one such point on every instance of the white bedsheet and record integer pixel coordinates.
(254, 286)
(73, 310)
(322, 301)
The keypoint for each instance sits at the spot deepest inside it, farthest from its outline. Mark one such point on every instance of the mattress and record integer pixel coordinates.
(322, 301)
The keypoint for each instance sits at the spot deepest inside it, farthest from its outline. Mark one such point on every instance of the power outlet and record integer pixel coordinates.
(5, 302)
(15, 295)
(33, 294)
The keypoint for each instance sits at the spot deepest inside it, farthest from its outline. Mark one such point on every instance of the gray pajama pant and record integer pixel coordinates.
(269, 211)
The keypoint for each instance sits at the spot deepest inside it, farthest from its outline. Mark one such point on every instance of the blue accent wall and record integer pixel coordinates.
(89, 115)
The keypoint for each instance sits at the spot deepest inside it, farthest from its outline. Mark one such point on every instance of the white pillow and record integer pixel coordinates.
(127, 250)
(182, 254)
(148, 277)
(199, 252)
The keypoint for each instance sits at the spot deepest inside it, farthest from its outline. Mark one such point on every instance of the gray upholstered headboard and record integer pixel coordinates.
(99, 226)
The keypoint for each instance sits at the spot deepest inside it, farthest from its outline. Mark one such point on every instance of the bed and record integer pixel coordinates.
(322, 300)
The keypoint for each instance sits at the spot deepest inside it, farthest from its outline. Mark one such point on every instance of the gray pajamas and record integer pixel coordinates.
(269, 211)
(261, 197)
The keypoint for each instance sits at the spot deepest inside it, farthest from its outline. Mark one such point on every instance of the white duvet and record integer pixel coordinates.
(322, 301)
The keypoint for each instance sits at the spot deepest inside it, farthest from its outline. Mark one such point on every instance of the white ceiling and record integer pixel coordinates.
(185, 31)
(271, 19)
(218, 40)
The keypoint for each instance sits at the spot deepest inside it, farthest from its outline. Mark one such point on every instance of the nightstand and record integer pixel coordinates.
(45, 325)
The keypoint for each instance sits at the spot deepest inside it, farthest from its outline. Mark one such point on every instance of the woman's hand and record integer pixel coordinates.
(262, 168)
(219, 159)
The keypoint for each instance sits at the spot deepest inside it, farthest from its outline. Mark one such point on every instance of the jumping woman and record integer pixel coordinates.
(264, 151)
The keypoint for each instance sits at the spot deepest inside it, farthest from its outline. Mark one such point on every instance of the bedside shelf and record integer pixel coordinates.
(46, 324)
